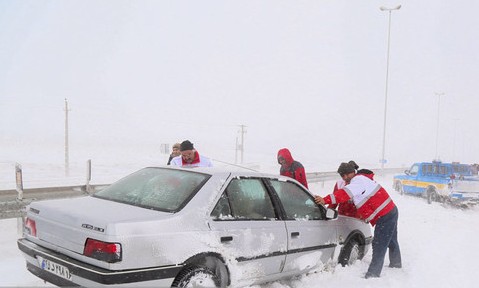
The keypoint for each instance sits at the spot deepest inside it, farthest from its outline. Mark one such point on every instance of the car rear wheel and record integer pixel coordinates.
(196, 276)
(350, 254)
(432, 196)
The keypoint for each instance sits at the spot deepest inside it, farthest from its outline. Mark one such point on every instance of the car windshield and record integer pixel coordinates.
(155, 188)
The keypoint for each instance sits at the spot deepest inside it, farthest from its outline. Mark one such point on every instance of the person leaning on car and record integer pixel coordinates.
(290, 167)
(374, 205)
(190, 157)
(348, 208)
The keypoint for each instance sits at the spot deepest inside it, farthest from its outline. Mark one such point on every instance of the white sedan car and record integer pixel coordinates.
(174, 227)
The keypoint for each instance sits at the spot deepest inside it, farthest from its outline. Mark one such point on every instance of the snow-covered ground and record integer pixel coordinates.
(439, 246)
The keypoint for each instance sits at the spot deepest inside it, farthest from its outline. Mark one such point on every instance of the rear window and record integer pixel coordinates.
(155, 188)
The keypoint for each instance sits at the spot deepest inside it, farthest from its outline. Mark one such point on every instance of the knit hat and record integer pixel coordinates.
(345, 168)
(186, 145)
(356, 166)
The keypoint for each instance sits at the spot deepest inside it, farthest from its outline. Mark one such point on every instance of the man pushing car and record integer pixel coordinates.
(374, 205)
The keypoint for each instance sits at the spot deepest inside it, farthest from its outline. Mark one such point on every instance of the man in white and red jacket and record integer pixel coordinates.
(374, 205)
(190, 157)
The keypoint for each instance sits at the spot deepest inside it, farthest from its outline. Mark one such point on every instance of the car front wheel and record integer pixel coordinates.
(400, 188)
(196, 276)
(350, 254)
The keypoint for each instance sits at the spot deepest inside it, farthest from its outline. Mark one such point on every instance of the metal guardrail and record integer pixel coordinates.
(315, 177)
(12, 206)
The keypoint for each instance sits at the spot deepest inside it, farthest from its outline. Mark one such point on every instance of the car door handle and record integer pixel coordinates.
(294, 234)
(226, 239)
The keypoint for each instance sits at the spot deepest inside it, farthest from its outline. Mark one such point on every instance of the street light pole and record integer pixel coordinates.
(438, 94)
(382, 8)
(454, 143)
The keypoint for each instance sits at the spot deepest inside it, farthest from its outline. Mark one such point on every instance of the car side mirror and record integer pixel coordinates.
(406, 172)
(331, 214)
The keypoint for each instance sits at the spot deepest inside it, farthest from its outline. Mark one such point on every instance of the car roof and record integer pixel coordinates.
(224, 171)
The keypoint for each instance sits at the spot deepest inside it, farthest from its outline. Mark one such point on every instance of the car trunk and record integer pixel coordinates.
(67, 223)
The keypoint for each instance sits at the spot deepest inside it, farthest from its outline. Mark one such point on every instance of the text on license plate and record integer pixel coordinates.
(54, 268)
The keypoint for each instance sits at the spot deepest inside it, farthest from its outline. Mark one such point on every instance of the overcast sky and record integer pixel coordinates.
(307, 75)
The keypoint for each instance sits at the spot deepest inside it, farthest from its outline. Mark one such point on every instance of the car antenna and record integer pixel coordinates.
(236, 165)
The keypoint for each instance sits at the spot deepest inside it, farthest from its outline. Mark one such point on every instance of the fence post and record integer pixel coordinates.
(19, 181)
(88, 176)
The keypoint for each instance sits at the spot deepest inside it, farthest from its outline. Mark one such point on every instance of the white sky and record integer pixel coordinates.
(307, 75)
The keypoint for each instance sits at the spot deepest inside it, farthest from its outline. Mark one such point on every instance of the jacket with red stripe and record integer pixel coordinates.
(292, 168)
(346, 208)
(371, 199)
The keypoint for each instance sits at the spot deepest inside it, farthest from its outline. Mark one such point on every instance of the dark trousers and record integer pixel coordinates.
(385, 236)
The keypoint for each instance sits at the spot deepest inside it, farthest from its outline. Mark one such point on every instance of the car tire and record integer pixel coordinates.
(196, 276)
(400, 188)
(432, 196)
(350, 253)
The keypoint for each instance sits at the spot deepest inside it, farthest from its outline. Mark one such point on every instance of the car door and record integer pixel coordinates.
(312, 239)
(249, 229)
(410, 183)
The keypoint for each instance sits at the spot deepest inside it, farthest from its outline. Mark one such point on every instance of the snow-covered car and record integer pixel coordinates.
(174, 227)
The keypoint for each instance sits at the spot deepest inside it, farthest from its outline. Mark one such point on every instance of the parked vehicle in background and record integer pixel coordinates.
(438, 181)
(179, 227)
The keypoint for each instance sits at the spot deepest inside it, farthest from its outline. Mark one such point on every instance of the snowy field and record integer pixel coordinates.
(438, 245)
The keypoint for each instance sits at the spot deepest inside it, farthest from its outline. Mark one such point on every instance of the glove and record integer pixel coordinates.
(319, 200)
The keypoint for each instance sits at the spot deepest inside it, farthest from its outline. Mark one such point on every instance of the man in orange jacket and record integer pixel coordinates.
(374, 205)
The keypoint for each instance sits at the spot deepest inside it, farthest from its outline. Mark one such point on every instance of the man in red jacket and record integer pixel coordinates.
(348, 208)
(290, 167)
(374, 205)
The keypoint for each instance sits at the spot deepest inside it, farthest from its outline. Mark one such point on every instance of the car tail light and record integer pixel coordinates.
(104, 251)
(30, 227)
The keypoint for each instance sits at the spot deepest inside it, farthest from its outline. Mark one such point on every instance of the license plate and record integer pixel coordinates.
(54, 268)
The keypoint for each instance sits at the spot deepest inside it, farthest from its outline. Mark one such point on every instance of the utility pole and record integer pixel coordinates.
(67, 161)
(236, 150)
(241, 148)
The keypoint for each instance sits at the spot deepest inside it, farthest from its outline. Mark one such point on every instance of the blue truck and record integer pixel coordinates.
(440, 182)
